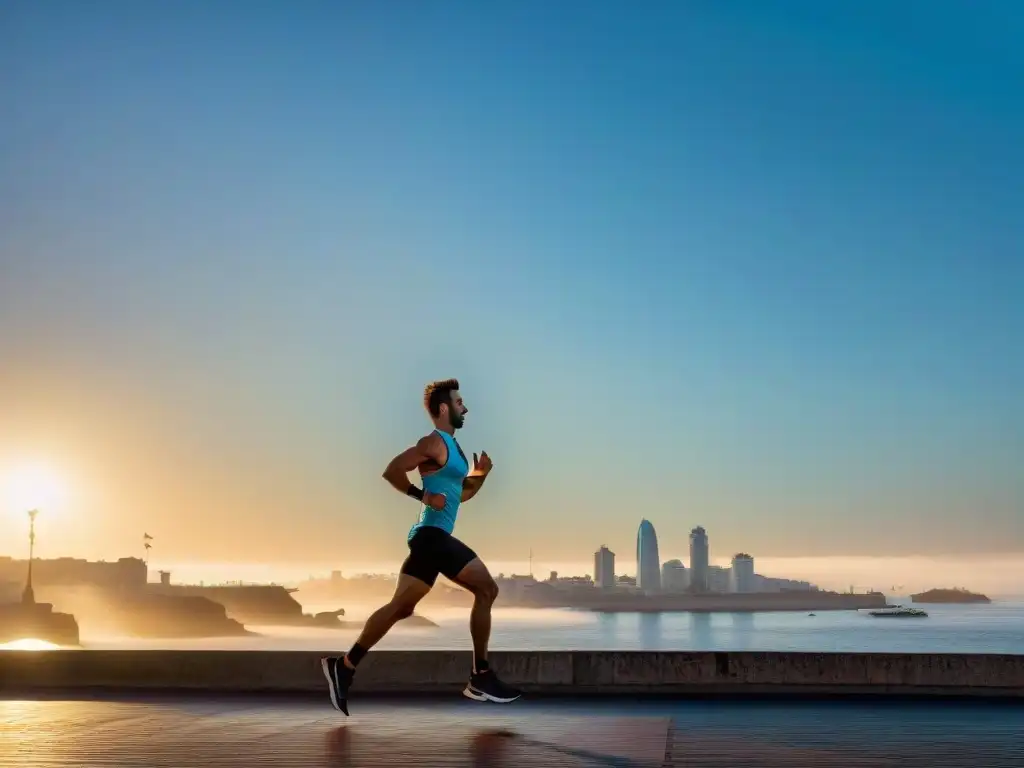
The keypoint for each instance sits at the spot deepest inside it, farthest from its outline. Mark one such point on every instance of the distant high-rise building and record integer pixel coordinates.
(604, 568)
(648, 565)
(743, 573)
(674, 577)
(699, 560)
(719, 579)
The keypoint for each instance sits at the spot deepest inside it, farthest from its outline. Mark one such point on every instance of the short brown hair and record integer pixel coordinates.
(438, 393)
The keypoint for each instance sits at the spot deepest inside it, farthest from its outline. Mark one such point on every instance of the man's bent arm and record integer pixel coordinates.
(470, 485)
(397, 471)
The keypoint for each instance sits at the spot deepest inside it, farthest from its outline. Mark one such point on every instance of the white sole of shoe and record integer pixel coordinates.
(475, 695)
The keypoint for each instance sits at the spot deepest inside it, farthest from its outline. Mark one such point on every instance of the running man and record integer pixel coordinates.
(447, 482)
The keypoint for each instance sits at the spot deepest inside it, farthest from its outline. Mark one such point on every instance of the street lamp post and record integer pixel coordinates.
(28, 597)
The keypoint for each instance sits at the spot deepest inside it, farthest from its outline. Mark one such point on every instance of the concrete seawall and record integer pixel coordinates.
(572, 673)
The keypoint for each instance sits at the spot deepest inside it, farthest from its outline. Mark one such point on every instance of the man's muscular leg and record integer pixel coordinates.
(477, 579)
(408, 594)
(484, 685)
(340, 671)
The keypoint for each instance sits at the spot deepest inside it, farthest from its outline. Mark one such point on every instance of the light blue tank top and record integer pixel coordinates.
(447, 480)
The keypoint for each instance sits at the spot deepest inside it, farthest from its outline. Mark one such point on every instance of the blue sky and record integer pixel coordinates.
(750, 265)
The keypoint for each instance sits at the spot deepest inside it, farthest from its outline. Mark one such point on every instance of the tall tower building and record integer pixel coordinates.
(604, 568)
(743, 573)
(648, 565)
(699, 559)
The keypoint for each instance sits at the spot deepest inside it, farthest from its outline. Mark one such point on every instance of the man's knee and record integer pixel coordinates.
(402, 609)
(487, 590)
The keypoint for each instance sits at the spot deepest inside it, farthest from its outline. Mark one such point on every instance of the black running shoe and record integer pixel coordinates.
(339, 678)
(485, 686)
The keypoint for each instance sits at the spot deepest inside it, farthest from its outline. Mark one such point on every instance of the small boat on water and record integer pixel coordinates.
(898, 611)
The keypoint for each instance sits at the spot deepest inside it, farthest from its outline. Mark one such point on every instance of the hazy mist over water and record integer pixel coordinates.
(995, 628)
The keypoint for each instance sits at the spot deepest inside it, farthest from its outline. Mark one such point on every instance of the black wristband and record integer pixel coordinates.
(416, 493)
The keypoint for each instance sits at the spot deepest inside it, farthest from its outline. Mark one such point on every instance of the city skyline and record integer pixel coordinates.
(654, 576)
(999, 576)
(997, 579)
(995, 573)
(762, 260)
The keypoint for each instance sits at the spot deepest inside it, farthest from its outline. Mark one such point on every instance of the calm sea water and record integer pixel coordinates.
(994, 628)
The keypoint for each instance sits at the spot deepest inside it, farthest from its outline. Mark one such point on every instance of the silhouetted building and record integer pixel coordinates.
(743, 573)
(674, 577)
(604, 568)
(699, 562)
(648, 565)
(770, 584)
(128, 573)
(719, 579)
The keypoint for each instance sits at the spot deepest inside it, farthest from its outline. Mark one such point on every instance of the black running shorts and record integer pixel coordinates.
(433, 551)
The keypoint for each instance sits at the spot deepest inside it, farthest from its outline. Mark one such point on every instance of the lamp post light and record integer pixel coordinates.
(28, 597)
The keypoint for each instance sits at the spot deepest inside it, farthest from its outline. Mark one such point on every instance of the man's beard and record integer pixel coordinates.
(458, 421)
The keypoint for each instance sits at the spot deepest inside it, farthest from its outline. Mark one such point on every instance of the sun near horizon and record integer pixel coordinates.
(41, 485)
(29, 644)
(33, 485)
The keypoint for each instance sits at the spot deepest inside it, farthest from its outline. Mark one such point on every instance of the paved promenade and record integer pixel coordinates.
(249, 732)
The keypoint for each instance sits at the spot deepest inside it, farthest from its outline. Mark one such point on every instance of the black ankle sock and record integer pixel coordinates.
(480, 665)
(356, 654)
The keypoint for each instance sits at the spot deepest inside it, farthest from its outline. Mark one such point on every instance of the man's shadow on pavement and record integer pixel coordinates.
(488, 748)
